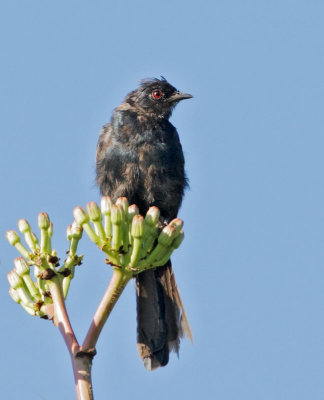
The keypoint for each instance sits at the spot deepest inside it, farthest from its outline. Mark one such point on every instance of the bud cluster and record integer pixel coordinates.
(130, 241)
(37, 254)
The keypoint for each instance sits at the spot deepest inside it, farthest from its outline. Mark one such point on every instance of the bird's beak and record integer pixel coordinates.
(177, 96)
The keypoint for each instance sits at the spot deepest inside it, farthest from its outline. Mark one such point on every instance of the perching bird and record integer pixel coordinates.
(139, 156)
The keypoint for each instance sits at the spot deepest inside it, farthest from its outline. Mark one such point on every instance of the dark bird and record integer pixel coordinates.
(139, 156)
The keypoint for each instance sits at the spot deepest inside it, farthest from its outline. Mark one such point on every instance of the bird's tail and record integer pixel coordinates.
(161, 318)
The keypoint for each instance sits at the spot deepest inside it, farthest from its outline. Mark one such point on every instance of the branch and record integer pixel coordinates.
(115, 288)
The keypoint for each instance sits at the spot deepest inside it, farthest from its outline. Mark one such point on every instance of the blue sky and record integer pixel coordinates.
(251, 267)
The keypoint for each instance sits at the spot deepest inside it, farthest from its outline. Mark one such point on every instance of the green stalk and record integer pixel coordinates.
(95, 216)
(44, 224)
(106, 211)
(49, 237)
(112, 254)
(99, 229)
(25, 229)
(91, 233)
(31, 287)
(136, 251)
(115, 288)
(107, 225)
(66, 282)
(117, 219)
(22, 293)
(44, 241)
(156, 254)
(30, 310)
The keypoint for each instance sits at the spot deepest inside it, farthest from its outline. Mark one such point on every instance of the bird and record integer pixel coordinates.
(139, 156)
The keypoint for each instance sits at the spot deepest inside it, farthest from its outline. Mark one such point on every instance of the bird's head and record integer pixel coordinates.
(156, 97)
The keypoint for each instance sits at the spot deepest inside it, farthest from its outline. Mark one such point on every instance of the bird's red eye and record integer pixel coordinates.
(157, 94)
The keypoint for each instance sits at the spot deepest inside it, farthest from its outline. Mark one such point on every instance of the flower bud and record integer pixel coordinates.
(43, 221)
(123, 202)
(76, 230)
(106, 205)
(178, 240)
(137, 229)
(21, 267)
(177, 223)
(34, 237)
(69, 232)
(167, 235)
(23, 225)
(14, 279)
(132, 210)
(14, 295)
(117, 214)
(94, 211)
(12, 237)
(152, 216)
(50, 229)
(80, 215)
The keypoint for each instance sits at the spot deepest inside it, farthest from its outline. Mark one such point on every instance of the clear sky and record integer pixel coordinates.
(250, 270)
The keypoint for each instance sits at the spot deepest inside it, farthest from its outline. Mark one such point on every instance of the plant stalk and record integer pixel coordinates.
(115, 288)
(81, 361)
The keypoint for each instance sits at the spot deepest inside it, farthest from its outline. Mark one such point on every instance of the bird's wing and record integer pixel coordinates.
(104, 141)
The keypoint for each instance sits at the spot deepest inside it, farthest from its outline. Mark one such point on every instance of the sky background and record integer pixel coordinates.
(250, 270)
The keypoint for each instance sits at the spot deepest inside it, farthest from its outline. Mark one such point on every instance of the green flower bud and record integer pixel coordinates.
(44, 224)
(137, 229)
(123, 202)
(178, 240)
(76, 230)
(12, 237)
(50, 229)
(95, 216)
(167, 235)
(106, 205)
(43, 220)
(34, 237)
(24, 228)
(21, 267)
(23, 270)
(152, 216)
(162, 254)
(14, 240)
(94, 211)
(14, 295)
(75, 234)
(82, 218)
(14, 279)
(23, 225)
(80, 215)
(24, 301)
(132, 210)
(117, 214)
(69, 232)
(177, 223)
(137, 232)
(117, 219)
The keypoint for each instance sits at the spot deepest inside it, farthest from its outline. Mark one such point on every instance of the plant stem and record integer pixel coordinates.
(115, 288)
(81, 357)
(81, 361)
(61, 319)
